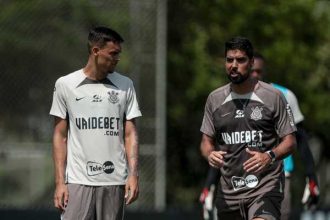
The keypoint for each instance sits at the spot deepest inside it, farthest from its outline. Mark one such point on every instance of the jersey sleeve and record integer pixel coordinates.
(59, 105)
(207, 124)
(284, 120)
(213, 176)
(293, 102)
(132, 106)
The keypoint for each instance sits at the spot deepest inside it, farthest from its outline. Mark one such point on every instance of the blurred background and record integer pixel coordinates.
(174, 52)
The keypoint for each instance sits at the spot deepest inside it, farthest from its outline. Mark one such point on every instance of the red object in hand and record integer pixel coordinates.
(311, 194)
(203, 195)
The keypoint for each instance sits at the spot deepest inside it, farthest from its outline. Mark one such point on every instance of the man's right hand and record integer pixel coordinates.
(61, 196)
(216, 158)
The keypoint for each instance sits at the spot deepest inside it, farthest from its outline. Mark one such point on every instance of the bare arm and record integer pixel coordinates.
(215, 158)
(132, 153)
(286, 146)
(207, 145)
(259, 160)
(59, 156)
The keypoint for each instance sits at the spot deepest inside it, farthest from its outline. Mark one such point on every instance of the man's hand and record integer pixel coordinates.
(216, 158)
(132, 153)
(311, 193)
(61, 196)
(257, 161)
(131, 189)
(207, 198)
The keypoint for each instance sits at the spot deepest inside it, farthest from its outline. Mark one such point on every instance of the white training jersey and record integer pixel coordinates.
(293, 102)
(96, 111)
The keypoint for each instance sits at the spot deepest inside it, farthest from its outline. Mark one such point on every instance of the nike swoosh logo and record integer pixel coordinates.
(77, 99)
(265, 212)
(225, 114)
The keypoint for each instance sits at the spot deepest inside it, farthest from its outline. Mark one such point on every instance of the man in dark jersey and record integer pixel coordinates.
(247, 129)
(311, 193)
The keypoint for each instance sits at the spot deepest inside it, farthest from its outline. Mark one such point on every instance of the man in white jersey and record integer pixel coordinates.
(95, 142)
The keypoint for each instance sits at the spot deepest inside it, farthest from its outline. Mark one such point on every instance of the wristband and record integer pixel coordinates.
(272, 156)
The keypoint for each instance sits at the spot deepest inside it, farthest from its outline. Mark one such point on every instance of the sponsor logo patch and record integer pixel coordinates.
(97, 98)
(239, 114)
(288, 109)
(250, 181)
(94, 168)
(252, 138)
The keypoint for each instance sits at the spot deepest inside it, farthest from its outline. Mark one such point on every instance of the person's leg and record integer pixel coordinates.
(265, 207)
(81, 203)
(286, 204)
(229, 209)
(215, 213)
(230, 215)
(110, 202)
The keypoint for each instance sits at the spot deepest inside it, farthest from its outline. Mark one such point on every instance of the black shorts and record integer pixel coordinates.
(264, 206)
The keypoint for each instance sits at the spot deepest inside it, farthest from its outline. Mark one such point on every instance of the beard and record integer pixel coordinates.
(239, 78)
(111, 68)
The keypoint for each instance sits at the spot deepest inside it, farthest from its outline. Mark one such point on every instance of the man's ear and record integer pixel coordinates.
(95, 51)
(251, 62)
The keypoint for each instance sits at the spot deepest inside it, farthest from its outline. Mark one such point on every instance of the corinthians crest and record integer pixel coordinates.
(113, 97)
(256, 113)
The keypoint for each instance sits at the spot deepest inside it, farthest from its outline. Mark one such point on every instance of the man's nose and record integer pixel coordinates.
(235, 64)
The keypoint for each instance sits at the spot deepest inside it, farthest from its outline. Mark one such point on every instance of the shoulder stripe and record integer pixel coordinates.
(251, 96)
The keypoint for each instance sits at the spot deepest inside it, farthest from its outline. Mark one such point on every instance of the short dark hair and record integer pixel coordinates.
(100, 35)
(239, 43)
(258, 55)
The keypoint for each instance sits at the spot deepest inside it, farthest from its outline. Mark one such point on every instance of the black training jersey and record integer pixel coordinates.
(256, 120)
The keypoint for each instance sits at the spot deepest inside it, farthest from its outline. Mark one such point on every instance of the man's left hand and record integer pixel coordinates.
(257, 161)
(131, 189)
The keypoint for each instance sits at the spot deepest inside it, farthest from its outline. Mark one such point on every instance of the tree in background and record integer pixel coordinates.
(37, 42)
(291, 35)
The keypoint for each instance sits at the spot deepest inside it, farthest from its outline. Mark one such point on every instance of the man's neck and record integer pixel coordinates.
(93, 73)
(245, 87)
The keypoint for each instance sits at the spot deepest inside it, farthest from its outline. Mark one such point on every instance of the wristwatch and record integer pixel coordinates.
(271, 155)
